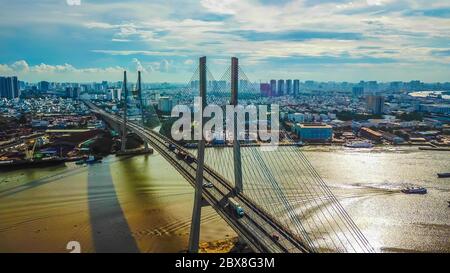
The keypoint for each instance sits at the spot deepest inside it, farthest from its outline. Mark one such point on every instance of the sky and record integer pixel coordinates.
(323, 40)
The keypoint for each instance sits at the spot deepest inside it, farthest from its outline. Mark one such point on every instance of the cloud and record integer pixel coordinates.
(164, 66)
(330, 60)
(101, 25)
(120, 40)
(219, 6)
(441, 52)
(437, 12)
(73, 2)
(58, 72)
(21, 66)
(297, 35)
(138, 66)
(133, 52)
(265, 34)
(374, 2)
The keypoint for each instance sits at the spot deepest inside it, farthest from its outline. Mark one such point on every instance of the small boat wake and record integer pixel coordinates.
(358, 190)
(385, 186)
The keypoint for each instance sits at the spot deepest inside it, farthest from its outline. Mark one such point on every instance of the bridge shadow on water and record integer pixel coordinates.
(110, 230)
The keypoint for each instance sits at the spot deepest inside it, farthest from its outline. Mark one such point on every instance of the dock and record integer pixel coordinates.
(140, 151)
(435, 149)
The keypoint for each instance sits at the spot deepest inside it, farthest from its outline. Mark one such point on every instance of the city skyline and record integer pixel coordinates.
(383, 40)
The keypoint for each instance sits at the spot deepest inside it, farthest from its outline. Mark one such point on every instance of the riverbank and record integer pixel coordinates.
(97, 205)
(42, 209)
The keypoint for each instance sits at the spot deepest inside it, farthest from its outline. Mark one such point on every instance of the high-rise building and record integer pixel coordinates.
(280, 88)
(243, 84)
(288, 87)
(15, 87)
(44, 86)
(195, 84)
(9, 87)
(375, 104)
(273, 88)
(69, 91)
(219, 86)
(395, 86)
(372, 86)
(357, 91)
(73, 92)
(165, 104)
(296, 90)
(116, 94)
(264, 88)
(105, 85)
(3, 88)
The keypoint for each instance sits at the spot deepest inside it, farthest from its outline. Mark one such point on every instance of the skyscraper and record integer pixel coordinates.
(3, 88)
(296, 87)
(264, 88)
(9, 87)
(15, 87)
(357, 91)
(375, 104)
(273, 88)
(288, 87)
(280, 87)
(73, 92)
(243, 84)
(44, 86)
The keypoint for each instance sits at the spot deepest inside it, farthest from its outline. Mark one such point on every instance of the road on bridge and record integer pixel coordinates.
(257, 227)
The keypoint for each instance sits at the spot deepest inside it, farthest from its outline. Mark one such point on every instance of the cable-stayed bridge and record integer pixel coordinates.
(288, 207)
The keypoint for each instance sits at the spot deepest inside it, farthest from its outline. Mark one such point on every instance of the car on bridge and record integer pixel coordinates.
(207, 185)
(181, 155)
(235, 207)
(275, 236)
(189, 159)
(172, 147)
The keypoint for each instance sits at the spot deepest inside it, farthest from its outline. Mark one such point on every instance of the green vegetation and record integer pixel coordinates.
(151, 117)
(3, 123)
(347, 115)
(166, 127)
(410, 116)
(22, 119)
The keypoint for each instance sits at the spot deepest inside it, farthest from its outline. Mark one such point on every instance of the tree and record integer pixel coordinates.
(22, 119)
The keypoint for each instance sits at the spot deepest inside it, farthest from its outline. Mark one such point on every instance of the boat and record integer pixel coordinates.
(139, 151)
(80, 162)
(35, 163)
(299, 144)
(443, 175)
(414, 190)
(92, 160)
(359, 144)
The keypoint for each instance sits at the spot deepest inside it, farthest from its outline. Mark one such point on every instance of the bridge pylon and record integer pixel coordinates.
(125, 112)
(141, 102)
(236, 146)
(194, 236)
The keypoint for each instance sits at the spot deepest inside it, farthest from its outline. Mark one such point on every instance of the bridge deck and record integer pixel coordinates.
(256, 227)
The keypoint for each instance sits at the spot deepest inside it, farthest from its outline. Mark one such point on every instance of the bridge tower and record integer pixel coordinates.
(194, 236)
(141, 102)
(236, 145)
(125, 112)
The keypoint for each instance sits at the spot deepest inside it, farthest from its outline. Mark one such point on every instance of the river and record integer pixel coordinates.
(142, 204)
